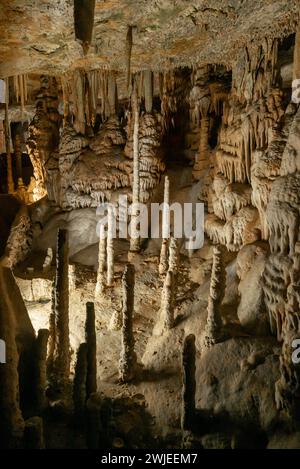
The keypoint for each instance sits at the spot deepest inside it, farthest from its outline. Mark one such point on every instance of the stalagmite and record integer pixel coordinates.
(12, 423)
(90, 338)
(34, 433)
(173, 255)
(41, 369)
(168, 301)
(100, 285)
(72, 277)
(135, 240)
(110, 247)
(148, 90)
(80, 381)
(163, 262)
(48, 260)
(62, 341)
(52, 331)
(188, 382)
(216, 294)
(128, 359)
(10, 181)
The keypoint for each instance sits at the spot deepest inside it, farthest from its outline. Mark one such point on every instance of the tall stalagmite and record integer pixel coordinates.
(41, 369)
(80, 381)
(135, 240)
(90, 338)
(216, 294)
(188, 382)
(163, 261)
(128, 359)
(168, 301)
(100, 285)
(62, 341)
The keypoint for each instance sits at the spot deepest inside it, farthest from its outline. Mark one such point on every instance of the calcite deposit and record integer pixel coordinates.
(116, 119)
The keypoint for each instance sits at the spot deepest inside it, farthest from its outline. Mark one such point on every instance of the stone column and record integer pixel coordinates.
(100, 285)
(167, 301)
(188, 382)
(128, 360)
(62, 341)
(80, 381)
(10, 180)
(12, 423)
(41, 370)
(110, 248)
(134, 240)
(90, 338)
(213, 328)
(163, 262)
(148, 90)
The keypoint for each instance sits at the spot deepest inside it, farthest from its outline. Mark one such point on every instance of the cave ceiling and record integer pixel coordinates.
(38, 36)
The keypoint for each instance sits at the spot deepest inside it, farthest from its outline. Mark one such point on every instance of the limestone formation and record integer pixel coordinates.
(40, 384)
(134, 238)
(213, 329)
(98, 101)
(174, 255)
(48, 260)
(110, 248)
(163, 262)
(128, 360)
(91, 350)
(80, 381)
(61, 301)
(188, 383)
(168, 301)
(100, 285)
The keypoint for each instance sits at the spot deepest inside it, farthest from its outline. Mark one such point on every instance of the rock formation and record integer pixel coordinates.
(216, 293)
(61, 356)
(128, 360)
(188, 382)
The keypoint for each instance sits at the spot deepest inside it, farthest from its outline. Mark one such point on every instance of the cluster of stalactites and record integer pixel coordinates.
(88, 93)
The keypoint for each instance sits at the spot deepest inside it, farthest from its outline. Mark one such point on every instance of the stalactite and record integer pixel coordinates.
(128, 359)
(10, 181)
(135, 240)
(17, 143)
(40, 383)
(90, 338)
(216, 294)
(110, 248)
(188, 382)
(62, 341)
(128, 55)
(112, 93)
(168, 301)
(80, 381)
(79, 101)
(34, 433)
(148, 90)
(100, 285)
